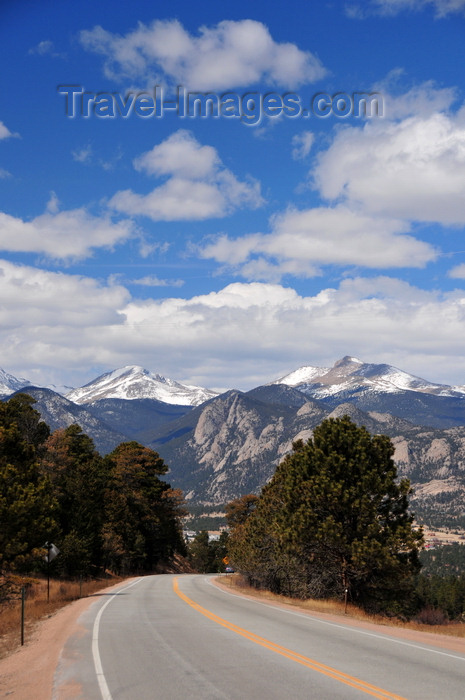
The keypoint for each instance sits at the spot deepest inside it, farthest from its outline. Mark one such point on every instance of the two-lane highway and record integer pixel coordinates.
(170, 638)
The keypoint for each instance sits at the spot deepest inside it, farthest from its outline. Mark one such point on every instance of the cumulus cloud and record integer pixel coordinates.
(379, 178)
(34, 297)
(252, 323)
(198, 186)
(304, 240)
(411, 169)
(180, 155)
(228, 55)
(62, 235)
(421, 100)
(52, 319)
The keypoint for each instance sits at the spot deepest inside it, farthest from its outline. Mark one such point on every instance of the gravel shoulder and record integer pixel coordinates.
(29, 670)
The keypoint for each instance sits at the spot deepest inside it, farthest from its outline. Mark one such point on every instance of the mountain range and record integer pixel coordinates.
(220, 446)
(134, 382)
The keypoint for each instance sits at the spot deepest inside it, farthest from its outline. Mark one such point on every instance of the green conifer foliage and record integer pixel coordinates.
(334, 518)
(142, 512)
(78, 474)
(27, 503)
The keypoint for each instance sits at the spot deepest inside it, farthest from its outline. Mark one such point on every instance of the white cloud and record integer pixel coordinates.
(5, 133)
(55, 301)
(153, 281)
(180, 155)
(43, 48)
(199, 186)
(53, 320)
(62, 235)
(458, 272)
(304, 240)
(228, 55)
(414, 169)
(86, 156)
(421, 100)
(302, 144)
(83, 155)
(442, 8)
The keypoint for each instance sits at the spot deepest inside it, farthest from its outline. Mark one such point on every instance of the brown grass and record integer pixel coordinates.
(335, 607)
(36, 606)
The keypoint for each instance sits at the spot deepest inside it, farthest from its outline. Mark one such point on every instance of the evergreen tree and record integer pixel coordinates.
(333, 519)
(79, 477)
(207, 555)
(238, 511)
(142, 512)
(200, 553)
(27, 503)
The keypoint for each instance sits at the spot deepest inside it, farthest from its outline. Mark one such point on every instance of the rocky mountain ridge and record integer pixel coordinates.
(134, 382)
(231, 443)
(350, 373)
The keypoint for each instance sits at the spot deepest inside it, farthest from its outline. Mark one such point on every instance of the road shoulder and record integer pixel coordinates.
(440, 641)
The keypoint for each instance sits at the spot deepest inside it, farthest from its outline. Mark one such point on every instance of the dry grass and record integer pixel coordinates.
(334, 607)
(36, 606)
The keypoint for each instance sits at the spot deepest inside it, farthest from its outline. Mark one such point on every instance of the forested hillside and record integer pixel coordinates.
(113, 512)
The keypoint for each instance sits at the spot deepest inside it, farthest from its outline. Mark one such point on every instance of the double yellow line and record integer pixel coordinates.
(353, 682)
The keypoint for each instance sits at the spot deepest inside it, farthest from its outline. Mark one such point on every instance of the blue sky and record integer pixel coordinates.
(216, 251)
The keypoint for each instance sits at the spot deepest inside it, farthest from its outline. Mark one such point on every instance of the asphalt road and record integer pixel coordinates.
(176, 638)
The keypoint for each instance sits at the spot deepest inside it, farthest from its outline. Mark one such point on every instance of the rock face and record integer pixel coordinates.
(231, 446)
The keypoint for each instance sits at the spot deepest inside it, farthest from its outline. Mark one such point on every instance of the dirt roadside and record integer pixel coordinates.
(28, 671)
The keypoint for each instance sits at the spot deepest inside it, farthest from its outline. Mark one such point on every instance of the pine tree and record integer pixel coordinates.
(142, 512)
(79, 477)
(334, 518)
(27, 503)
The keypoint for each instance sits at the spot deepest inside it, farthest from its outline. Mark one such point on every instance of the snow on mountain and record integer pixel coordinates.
(350, 374)
(134, 382)
(303, 375)
(9, 383)
(62, 389)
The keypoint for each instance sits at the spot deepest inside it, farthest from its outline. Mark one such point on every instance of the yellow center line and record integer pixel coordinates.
(340, 676)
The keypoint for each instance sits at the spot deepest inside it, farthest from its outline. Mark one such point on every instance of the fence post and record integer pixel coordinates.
(23, 597)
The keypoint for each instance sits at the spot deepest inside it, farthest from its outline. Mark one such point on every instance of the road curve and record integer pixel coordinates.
(176, 638)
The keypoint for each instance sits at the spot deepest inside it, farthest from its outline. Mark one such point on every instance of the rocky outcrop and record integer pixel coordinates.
(235, 442)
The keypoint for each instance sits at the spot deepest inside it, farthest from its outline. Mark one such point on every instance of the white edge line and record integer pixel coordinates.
(102, 682)
(343, 627)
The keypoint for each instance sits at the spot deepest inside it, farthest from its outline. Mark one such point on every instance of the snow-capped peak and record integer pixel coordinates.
(135, 382)
(302, 375)
(350, 374)
(9, 384)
